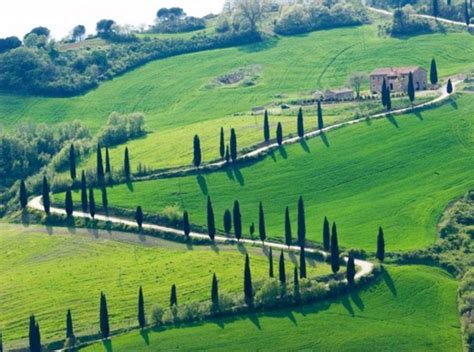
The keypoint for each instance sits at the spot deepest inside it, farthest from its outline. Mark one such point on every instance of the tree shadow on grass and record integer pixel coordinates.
(130, 185)
(293, 258)
(283, 152)
(392, 120)
(325, 139)
(347, 305)
(25, 218)
(230, 174)
(253, 317)
(108, 345)
(201, 180)
(215, 248)
(357, 300)
(418, 115)
(260, 46)
(453, 103)
(241, 248)
(389, 282)
(238, 175)
(305, 145)
(145, 337)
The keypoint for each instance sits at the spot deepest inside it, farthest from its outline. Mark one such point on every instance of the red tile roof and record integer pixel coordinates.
(395, 71)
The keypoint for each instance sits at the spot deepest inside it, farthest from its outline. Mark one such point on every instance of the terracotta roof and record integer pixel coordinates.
(394, 71)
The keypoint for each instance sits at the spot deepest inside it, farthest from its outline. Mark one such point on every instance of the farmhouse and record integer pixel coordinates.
(339, 94)
(397, 78)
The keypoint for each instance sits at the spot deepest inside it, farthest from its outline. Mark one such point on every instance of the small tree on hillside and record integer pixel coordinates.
(72, 162)
(139, 217)
(449, 87)
(301, 223)
(104, 317)
(356, 80)
(302, 263)
(84, 202)
(69, 204)
(23, 195)
(334, 250)
(186, 225)
(252, 229)
(266, 127)
(237, 220)
(320, 116)
(126, 164)
(261, 223)
(270, 263)
(248, 288)
(173, 296)
(215, 293)
(141, 309)
(100, 165)
(279, 134)
(326, 235)
(380, 245)
(433, 72)
(233, 145)
(211, 224)
(227, 222)
(105, 200)
(350, 270)
(92, 209)
(222, 144)
(300, 123)
(45, 194)
(227, 154)
(281, 269)
(197, 158)
(288, 239)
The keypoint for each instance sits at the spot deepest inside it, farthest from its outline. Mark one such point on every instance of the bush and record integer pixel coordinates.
(267, 295)
(121, 128)
(403, 24)
(156, 315)
(179, 25)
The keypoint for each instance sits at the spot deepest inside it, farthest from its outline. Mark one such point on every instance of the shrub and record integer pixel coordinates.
(121, 128)
(156, 315)
(267, 295)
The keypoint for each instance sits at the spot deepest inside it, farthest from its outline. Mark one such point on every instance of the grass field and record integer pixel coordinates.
(173, 93)
(399, 173)
(48, 274)
(412, 309)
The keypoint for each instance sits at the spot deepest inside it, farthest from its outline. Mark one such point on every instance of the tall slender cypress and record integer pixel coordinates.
(380, 245)
(233, 145)
(261, 223)
(100, 165)
(197, 157)
(281, 268)
(45, 194)
(296, 286)
(108, 168)
(68, 203)
(435, 8)
(320, 116)
(34, 335)
(326, 235)
(411, 88)
(433, 72)
(302, 263)
(350, 270)
(467, 15)
(173, 296)
(126, 164)
(248, 289)
(139, 217)
(334, 250)
(301, 223)
(215, 293)
(270, 263)
(237, 220)
(279, 134)
(38, 338)
(105, 201)
(104, 317)
(266, 127)
(186, 225)
(72, 162)
(141, 309)
(211, 224)
(23, 195)
(227, 154)
(69, 327)
(449, 87)
(288, 239)
(92, 209)
(300, 123)
(222, 143)
(84, 202)
(227, 222)
(383, 92)
(389, 99)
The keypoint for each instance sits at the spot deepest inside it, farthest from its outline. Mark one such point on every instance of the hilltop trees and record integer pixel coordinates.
(411, 88)
(104, 317)
(288, 239)
(302, 263)
(139, 217)
(248, 288)
(211, 224)
(233, 145)
(126, 164)
(222, 144)
(78, 33)
(449, 87)
(266, 127)
(141, 309)
(320, 116)
(69, 204)
(380, 245)
(23, 195)
(72, 162)
(300, 123)
(92, 209)
(173, 296)
(279, 134)
(326, 234)
(301, 223)
(261, 223)
(237, 220)
(215, 293)
(84, 203)
(227, 222)
(281, 268)
(45, 194)
(270, 263)
(251, 11)
(197, 152)
(350, 270)
(433, 72)
(186, 226)
(34, 335)
(334, 250)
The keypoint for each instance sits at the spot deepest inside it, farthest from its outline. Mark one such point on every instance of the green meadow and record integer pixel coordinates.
(399, 173)
(412, 309)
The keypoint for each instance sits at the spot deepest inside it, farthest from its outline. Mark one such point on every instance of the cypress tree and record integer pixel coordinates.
(261, 224)
(69, 327)
(320, 116)
(68, 203)
(227, 154)
(215, 293)
(186, 226)
(326, 235)
(211, 225)
(301, 223)
(266, 127)
(350, 270)
(197, 158)
(45, 194)
(380, 245)
(222, 143)
(227, 222)
(105, 201)
(104, 317)
(248, 290)
(84, 202)
(1, 342)
(300, 123)
(270, 263)
(23, 195)
(237, 220)
(411, 88)
(141, 309)
(383, 92)
(108, 168)
(449, 87)
(296, 287)
(433, 72)
(252, 229)
(467, 16)
(38, 338)
(100, 165)
(334, 250)
(72, 162)
(34, 335)
(435, 8)
(233, 145)
(173, 296)
(92, 210)
(281, 268)
(389, 100)
(288, 240)
(139, 217)
(302, 263)
(279, 134)
(126, 164)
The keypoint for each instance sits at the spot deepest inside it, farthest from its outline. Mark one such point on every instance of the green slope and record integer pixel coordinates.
(412, 309)
(399, 173)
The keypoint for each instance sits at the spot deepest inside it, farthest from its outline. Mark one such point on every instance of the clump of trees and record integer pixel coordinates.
(175, 20)
(403, 25)
(121, 128)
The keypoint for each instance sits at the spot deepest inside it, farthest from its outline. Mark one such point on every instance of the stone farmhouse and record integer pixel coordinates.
(397, 78)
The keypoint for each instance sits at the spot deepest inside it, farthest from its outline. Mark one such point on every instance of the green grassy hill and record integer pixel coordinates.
(399, 173)
(48, 274)
(412, 309)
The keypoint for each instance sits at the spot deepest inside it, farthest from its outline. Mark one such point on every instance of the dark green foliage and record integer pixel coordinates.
(121, 128)
(281, 268)
(405, 25)
(288, 239)
(9, 43)
(108, 168)
(300, 123)
(449, 87)
(186, 226)
(139, 217)
(279, 134)
(173, 296)
(233, 145)
(467, 15)
(389, 100)
(23, 195)
(84, 203)
(237, 220)
(68, 203)
(296, 287)
(104, 317)
(227, 221)
(435, 8)
(326, 235)
(320, 116)
(92, 209)
(72, 162)
(45, 194)
(385, 94)
(302, 263)
(105, 201)
(34, 335)
(222, 144)
(126, 164)
(350, 270)
(261, 223)
(211, 224)
(270, 263)
(69, 327)
(411, 87)
(334, 250)
(141, 309)
(266, 127)
(433, 72)
(174, 20)
(197, 158)
(301, 223)
(215, 293)
(252, 229)
(248, 288)
(380, 245)
(100, 165)
(227, 154)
